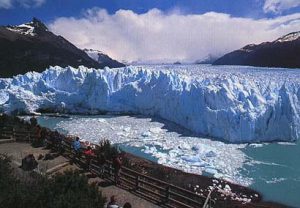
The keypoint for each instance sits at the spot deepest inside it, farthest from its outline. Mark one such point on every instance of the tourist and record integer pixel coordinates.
(33, 121)
(38, 131)
(59, 144)
(89, 154)
(102, 162)
(29, 163)
(117, 164)
(113, 202)
(127, 205)
(77, 148)
(37, 140)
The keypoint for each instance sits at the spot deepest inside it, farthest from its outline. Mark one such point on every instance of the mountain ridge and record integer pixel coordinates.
(102, 58)
(283, 52)
(32, 47)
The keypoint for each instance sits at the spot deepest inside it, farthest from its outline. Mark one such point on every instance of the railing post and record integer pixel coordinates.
(137, 180)
(13, 133)
(110, 171)
(208, 199)
(167, 196)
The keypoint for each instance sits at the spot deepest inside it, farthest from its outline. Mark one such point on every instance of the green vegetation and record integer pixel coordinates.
(68, 190)
(105, 147)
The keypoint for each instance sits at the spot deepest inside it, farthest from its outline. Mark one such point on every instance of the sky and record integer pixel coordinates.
(159, 30)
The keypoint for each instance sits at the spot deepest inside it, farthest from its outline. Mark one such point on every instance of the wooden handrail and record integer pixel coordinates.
(208, 199)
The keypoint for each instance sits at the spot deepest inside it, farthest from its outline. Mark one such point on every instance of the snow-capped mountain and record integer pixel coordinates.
(102, 58)
(233, 103)
(289, 37)
(32, 28)
(283, 52)
(32, 47)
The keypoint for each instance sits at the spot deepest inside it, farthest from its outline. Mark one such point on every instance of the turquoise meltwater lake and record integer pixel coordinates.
(273, 169)
(276, 171)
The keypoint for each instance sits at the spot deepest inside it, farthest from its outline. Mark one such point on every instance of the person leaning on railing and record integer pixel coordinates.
(38, 130)
(59, 143)
(89, 154)
(117, 164)
(101, 161)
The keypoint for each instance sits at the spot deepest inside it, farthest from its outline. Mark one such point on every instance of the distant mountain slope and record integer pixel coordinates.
(283, 52)
(31, 47)
(103, 58)
(209, 59)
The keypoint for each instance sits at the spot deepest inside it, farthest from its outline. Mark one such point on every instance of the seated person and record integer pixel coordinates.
(127, 205)
(112, 203)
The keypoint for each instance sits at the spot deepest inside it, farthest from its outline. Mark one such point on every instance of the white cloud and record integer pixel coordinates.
(31, 3)
(160, 36)
(277, 6)
(7, 4)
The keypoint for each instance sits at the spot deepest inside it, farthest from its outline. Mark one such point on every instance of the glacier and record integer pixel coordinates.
(237, 104)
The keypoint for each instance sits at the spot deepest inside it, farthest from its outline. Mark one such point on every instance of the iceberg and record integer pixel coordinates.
(232, 103)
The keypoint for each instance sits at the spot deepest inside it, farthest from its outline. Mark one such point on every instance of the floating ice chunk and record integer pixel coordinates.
(199, 164)
(146, 134)
(227, 188)
(191, 158)
(210, 154)
(255, 145)
(184, 146)
(101, 120)
(150, 150)
(211, 171)
(156, 130)
(127, 129)
(275, 180)
(287, 143)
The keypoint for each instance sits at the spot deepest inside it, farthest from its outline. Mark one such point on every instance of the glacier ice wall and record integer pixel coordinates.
(236, 104)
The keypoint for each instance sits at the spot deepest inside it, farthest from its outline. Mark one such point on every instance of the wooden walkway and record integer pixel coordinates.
(17, 150)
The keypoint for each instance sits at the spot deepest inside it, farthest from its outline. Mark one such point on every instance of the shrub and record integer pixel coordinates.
(68, 190)
(107, 149)
(72, 190)
(6, 175)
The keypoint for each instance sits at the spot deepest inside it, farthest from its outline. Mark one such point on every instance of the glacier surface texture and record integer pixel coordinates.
(232, 103)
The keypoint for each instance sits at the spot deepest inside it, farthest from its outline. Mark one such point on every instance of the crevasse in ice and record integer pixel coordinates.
(236, 104)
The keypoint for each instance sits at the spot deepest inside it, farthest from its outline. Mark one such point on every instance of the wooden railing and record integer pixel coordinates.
(161, 192)
(20, 135)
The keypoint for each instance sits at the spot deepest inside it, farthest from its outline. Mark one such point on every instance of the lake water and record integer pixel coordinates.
(272, 169)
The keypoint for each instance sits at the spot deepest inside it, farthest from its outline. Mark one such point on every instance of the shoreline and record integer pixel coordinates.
(236, 195)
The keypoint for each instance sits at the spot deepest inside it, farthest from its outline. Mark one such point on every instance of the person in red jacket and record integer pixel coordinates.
(89, 154)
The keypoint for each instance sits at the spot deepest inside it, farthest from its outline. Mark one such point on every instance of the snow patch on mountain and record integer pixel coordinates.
(94, 54)
(24, 29)
(30, 28)
(289, 37)
(102, 58)
(237, 104)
